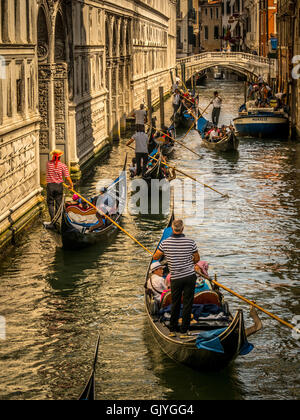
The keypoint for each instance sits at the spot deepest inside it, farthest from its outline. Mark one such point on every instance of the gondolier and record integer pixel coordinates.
(217, 103)
(140, 118)
(141, 150)
(56, 172)
(182, 255)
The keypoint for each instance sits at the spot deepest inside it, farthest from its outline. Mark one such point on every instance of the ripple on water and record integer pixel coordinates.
(56, 302)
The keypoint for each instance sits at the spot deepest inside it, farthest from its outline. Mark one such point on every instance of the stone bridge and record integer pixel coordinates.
(247, 64)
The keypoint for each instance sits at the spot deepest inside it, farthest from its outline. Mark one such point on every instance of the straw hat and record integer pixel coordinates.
(57, 152)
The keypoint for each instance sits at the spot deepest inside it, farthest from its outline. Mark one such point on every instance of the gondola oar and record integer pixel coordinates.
(176, 141)
(88, 393)
(287, 324)
(106, 217)
(187, 175)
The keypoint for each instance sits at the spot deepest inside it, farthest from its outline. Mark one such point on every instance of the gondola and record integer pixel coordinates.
(230, 142)
(71, 230)
(168, 146)
(155, 168)
(88, 394)
(213, 343)
(183, 119)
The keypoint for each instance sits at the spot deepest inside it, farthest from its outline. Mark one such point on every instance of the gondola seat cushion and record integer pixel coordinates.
(84, 218)
(202, 298)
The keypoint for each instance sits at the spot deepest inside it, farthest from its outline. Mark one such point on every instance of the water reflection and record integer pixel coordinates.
(56, 302)
(182, 383)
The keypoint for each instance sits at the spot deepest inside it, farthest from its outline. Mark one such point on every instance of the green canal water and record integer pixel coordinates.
(56, 302)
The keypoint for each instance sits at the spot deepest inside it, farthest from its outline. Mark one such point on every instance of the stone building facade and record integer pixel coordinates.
(211, 28)
(288, 80)
(71, 71)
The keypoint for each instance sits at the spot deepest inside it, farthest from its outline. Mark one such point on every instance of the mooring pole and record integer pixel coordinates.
(162, 106)
(149, 105)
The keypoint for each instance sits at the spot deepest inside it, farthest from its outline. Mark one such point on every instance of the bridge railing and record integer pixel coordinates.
(226, 56)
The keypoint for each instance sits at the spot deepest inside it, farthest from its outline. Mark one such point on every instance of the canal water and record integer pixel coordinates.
(56, 302)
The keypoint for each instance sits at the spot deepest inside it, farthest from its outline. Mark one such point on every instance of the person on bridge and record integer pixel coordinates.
(56, 172)
(217, 103)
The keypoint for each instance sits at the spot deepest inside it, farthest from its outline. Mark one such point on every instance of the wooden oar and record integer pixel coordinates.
(195, 123)
(187, 175)
(107, 217)
(256, 306)
(213, 281)
(176, 141)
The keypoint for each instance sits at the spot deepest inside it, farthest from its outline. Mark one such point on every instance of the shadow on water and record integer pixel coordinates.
(183, 383)
(68, 271)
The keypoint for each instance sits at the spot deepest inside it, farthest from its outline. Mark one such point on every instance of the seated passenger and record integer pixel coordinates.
(133, 168)
(214, 135)
(201, 269)
(156, 282)
(106, 203)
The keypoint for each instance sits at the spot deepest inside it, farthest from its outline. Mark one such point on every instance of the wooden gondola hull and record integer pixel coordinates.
(232, 337)
(183, 123)
(229, 144)
(200, 359)
(72, 236)
(72, 239)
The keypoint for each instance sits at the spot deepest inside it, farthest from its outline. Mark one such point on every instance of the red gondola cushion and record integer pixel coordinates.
(202, 298)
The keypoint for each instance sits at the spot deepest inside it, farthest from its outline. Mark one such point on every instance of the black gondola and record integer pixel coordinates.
(88, 394)
(73, 234)
(229, 330)
(228, 143)
(155, 169)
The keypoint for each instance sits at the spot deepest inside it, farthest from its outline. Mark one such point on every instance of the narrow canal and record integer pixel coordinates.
(55, 302)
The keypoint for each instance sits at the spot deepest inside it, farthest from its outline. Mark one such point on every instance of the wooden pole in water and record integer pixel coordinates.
(162, 106)
(149, 105)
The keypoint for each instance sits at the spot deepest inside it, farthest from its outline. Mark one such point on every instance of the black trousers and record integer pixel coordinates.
(55, 194)
(186, 287)
(216, 115)
(141, 168)
(140, 127)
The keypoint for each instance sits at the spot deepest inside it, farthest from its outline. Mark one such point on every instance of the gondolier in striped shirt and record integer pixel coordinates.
(56, 172)
(182, 255)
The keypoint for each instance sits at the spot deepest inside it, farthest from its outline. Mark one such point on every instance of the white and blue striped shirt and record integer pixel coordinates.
(179, 252)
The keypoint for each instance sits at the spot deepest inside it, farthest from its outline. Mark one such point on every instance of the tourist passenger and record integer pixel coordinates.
(217, 103)
(56, 172)
(181, 254)
(140, 118)
(141, 151)
(133, 168)
(214, 135)
(157, 282)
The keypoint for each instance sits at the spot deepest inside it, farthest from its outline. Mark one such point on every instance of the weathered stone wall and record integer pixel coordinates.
(70, 74)
(19, 116)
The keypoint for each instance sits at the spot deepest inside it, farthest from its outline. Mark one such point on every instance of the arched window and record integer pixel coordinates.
(42, 35)
(60, 39)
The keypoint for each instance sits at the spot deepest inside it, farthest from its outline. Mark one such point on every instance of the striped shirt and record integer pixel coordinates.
(179, 252)
(55, 175)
